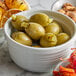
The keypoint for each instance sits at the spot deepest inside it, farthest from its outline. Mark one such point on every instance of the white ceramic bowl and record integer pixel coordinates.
(59, 3)
(40, 59)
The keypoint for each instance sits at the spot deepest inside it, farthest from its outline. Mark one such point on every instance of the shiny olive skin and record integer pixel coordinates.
(22, 38)
(62, 38)
(35, 30)
(60, 28)
(41, 18)
(17, 21)
(52, 28)
(48, 40)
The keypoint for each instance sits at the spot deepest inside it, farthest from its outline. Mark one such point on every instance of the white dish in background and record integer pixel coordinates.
(28, 5)
(40, 59)
(59, 3)
(63, 63)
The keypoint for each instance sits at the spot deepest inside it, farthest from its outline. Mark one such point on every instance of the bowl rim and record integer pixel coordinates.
(42, 48)
(53, 4)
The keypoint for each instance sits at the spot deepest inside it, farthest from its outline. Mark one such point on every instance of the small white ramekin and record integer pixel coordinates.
(40, 59)
(59, 3)
(63, 63)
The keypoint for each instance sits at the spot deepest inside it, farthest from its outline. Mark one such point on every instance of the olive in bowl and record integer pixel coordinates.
(52, 28)
(17, 21)
(41, 18)
(34, 30)
(48, 40)
(22, 38)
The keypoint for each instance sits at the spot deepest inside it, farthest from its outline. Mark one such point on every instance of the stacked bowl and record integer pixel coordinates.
(59, 3)
(40, 59)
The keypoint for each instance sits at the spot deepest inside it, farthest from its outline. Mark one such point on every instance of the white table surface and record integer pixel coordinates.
(7, 66)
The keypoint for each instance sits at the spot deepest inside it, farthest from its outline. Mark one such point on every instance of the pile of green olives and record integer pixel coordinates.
(39, 30)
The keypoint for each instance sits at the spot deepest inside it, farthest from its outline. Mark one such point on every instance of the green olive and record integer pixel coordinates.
(52, 28)
(17, 21)
(41, 18)
(34, 30)
(60, 28)
(48, 40)
(62, 38)
(22, 38)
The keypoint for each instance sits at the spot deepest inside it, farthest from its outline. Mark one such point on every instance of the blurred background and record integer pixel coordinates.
(40, 4)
